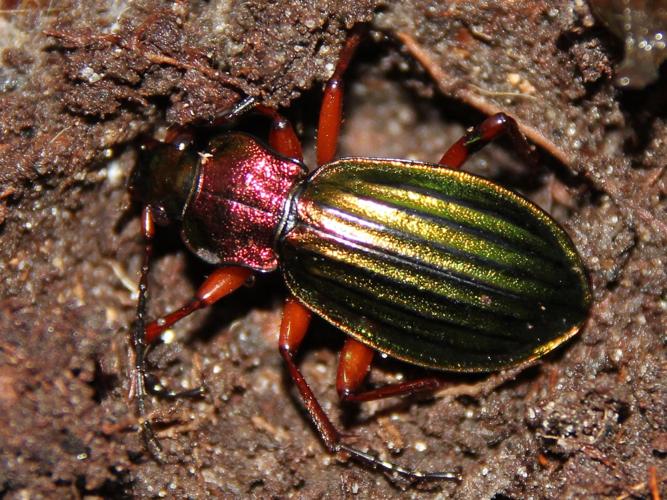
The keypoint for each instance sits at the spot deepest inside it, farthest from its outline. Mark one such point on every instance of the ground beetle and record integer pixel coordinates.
(419, 261)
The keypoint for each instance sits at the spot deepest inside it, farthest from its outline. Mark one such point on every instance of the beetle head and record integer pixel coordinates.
(164, 176)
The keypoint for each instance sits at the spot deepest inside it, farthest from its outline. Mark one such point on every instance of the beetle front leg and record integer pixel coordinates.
(353, 367)
(219, 284)
(479, 136)
(295, 322)
(282, 137)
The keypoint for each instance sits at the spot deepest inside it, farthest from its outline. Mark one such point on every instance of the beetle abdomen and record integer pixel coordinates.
(433, 266)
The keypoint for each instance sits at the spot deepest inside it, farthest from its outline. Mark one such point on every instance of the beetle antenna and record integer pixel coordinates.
(138, 385)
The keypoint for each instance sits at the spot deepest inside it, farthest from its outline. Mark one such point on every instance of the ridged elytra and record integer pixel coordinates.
(435, 267)
(419, 261)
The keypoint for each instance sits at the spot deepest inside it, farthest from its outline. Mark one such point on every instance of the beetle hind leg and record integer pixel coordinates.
(353, 367)
(294, 325)
(478, 137)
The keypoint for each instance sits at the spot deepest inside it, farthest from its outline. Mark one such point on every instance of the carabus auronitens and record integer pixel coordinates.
(423, 262)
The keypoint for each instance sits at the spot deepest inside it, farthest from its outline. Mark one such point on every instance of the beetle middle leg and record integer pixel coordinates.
(293, 328)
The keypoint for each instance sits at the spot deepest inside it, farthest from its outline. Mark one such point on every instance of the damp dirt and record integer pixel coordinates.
(80, 86)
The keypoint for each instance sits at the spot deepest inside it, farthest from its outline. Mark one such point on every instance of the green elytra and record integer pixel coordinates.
(433, 266)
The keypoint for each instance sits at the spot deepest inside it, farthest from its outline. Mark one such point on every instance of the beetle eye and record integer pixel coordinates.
(160, 215)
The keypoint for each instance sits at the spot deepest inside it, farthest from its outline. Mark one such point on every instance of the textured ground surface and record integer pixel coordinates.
(590, 420)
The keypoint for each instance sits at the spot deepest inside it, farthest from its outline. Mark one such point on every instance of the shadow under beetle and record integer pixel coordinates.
(422, 262)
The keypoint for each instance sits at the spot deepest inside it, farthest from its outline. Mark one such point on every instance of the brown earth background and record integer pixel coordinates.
(80, 82)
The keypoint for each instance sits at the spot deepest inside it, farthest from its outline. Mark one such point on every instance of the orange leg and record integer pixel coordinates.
(282, 137)
(479, 136)
(220, 283)
(296, 319)
(353, 367)
(354, 363)
(293, 328)
(331, 112)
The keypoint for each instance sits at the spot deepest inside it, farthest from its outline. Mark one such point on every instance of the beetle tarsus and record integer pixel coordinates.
(391, 468)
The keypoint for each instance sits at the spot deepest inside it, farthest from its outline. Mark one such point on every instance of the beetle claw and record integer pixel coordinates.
(239, 108)
(156, 388)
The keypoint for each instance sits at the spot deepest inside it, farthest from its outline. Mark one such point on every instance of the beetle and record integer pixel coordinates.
(419, 261)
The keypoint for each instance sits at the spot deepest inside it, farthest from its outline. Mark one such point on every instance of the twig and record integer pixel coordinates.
(440, 76)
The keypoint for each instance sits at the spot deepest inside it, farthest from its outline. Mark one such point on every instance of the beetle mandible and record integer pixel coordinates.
(419, 261)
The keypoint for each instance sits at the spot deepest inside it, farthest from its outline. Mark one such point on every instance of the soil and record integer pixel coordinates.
(80, 85)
